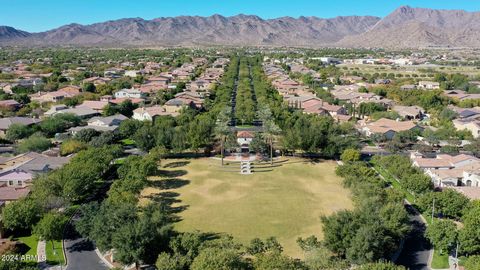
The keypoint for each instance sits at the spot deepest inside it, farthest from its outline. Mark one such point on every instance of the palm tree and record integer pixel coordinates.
(221, 127)
(270, 129)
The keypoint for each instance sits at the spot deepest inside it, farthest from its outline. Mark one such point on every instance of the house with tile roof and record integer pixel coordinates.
(388, 127)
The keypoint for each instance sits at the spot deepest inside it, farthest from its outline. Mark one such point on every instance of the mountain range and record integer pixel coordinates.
(406, 27)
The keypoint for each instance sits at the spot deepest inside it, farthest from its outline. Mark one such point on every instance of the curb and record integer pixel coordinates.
(105, 261)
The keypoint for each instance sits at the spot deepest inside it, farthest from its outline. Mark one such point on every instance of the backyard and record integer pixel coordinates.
(285, 201)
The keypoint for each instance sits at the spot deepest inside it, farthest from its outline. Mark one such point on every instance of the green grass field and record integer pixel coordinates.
(285, 202)
(54, 258)
(440, 261)
(31, 242)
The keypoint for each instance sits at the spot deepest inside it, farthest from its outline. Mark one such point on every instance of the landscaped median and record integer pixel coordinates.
(392, 181)
(438, 261)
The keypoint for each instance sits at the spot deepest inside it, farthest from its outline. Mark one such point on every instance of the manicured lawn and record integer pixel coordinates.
(128, 142)
(54, 258)
(440, 261)
(120, 161)
(285, 202)
(31, 242)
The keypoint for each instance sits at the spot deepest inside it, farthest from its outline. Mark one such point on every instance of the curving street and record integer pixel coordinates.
(417, 249)
(80, 252)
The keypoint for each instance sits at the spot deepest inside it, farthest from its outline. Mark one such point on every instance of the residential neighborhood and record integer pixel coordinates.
(243, 142)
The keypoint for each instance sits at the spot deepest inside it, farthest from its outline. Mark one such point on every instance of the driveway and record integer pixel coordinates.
(416, 251)
(81, 253)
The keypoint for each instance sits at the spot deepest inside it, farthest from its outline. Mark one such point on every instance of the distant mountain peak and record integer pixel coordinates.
(404, 27)
(8, 32)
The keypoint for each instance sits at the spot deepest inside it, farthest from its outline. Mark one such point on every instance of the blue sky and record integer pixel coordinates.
(40, 15)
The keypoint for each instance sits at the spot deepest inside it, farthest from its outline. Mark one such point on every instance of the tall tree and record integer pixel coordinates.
(50, 227)
(222, 130)
(442, 234)
(270, 129)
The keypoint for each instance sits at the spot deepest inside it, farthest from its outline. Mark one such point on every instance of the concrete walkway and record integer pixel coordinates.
(41, 252)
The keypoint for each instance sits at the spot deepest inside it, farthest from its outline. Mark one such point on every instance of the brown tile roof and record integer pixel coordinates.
(383, 125)
(13, 194)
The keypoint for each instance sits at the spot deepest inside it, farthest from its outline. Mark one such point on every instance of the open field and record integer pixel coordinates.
(427, 70)
(285, 202)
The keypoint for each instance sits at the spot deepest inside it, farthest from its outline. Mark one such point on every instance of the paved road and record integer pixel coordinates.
(416, 251)
(81, 253)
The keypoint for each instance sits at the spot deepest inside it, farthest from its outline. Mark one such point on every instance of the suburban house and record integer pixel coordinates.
(460, 95)
(6, 122)
(19, 171)
(114, 73)
(388, 127)
(175, 105)
(469, 120)
(129, 93)
(97, 80)
(409, 112)
(318, 106)
(447, 170)
(199, 85)
(149, 113)
(101, 124)
(95, 104)
(55, 96)
(80, 111)
(155, 84)
(428, 85)
(118, 101)
(11, 194)
(10, 105)
(194, 97)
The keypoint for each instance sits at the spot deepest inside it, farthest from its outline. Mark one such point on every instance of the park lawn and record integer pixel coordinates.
(31, 242)
(440, 261)
(285, 202)
(54, 258)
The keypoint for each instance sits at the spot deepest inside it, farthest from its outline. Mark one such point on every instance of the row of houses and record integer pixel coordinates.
(17, 173)
(299, 96)
(460, 172)
(193, 96)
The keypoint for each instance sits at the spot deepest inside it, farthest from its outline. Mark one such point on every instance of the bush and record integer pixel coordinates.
(35, 143)
(18, 131)
(472, 263)
(350, 155)
(71, 146)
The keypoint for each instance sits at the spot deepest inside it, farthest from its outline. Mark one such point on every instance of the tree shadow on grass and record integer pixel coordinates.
(172, 174)
(176, 164)
(21, 248)
(172, 183)
(166, 200)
